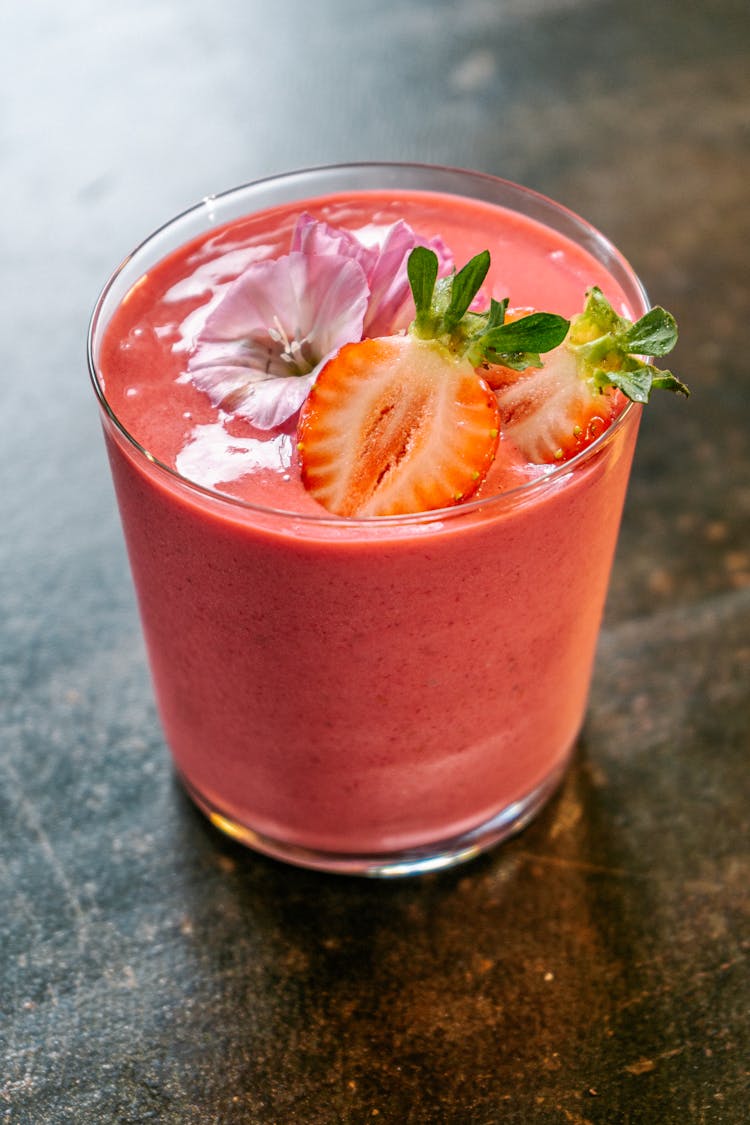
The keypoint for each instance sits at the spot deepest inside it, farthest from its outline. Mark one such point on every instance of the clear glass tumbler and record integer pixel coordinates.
(381, 696)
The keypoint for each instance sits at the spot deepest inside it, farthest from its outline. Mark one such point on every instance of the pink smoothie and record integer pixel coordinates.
(355, 687)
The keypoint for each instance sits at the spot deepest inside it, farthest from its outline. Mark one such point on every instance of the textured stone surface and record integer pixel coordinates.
(595, 969)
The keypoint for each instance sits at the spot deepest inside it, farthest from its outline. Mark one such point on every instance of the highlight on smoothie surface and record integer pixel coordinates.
(362, 364)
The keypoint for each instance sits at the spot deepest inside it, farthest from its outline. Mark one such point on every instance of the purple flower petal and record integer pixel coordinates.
(313, 236)
(390, 307)
(331, 296)
(274, 327)
(296, 295)
(264, 402)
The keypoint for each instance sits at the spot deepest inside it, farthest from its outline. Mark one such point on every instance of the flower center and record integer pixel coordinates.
(296, 354)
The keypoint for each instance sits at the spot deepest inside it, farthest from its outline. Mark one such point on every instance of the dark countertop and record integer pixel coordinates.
(593, 970)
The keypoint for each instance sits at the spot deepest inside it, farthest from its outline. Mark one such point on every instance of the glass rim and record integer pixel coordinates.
(508, 497)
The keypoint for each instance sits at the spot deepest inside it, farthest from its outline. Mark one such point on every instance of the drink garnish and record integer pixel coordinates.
(275, 325)
(396, 420)
(554, 411)
(396, 425)
(407, 423)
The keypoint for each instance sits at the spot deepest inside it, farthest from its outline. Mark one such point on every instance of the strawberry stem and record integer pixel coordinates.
(609, 349)
(442, 313)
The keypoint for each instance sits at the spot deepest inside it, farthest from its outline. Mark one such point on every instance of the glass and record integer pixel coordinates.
(384, 696)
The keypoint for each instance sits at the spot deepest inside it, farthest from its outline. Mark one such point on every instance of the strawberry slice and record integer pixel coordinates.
(396, 425)
(553, 411)
(550, 413)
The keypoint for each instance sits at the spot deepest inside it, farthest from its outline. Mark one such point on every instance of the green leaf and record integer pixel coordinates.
(422, 271)
(440, 301)
(443, 313)
(635, 385)
(638, 382)
(598, 311)
(538, 332)
(517, 361)
(496, 315)
(606, 347)
(654, 334)
(666, 381)
(466, 285)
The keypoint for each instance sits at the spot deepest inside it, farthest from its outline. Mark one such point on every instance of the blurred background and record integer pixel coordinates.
(151, 972)
(115, 118)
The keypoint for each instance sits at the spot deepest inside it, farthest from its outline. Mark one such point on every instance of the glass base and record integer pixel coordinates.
(409, 861)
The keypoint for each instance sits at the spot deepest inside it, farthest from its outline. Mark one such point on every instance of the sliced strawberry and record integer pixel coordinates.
(551, 412)
(396, 425)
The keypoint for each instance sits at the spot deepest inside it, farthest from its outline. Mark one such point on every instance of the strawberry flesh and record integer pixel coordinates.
(552, 413)
(396, 425)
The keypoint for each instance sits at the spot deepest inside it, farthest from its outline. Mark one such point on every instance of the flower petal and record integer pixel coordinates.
(332, 296)
(269, 403)
(391, 306)
(274, 326)
(286, 292)
(265, 401)
(313, 236)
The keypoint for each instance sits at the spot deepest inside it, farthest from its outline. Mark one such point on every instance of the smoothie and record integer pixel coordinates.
(357, 694)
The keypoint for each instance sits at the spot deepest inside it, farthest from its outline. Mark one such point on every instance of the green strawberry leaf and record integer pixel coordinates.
(496, 315)
(422, 271)
(443, 313)
(538, 332)
(635, 385)
(466, 284)
(608, 348)
(654, 334)
(638, 383)
(666, 381)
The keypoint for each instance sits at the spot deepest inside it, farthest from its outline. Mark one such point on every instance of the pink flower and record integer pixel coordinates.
(277, 324)
(390, 307)
(262, 345)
